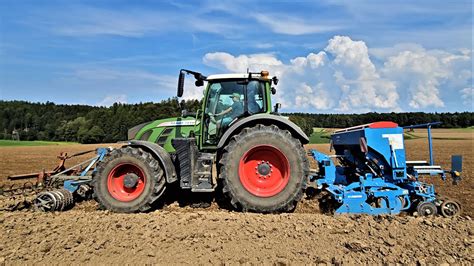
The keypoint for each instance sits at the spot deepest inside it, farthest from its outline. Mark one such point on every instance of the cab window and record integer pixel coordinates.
(226, 103)
(255, 99)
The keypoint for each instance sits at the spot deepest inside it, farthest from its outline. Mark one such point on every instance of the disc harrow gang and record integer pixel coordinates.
(54, 190)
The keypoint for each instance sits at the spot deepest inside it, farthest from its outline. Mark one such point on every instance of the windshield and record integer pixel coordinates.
(222, 95)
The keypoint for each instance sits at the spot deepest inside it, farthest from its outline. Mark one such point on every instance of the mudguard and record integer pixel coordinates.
(160, 153)
(265, 119)
(132, 133)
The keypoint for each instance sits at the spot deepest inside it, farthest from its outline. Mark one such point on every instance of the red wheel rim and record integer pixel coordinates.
(264, 171)
(116, 186)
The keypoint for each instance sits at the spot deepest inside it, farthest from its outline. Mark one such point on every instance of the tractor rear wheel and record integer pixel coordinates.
(128, 180)
(264, 169)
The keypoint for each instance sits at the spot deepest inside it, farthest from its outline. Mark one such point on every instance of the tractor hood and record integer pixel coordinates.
(161, 123)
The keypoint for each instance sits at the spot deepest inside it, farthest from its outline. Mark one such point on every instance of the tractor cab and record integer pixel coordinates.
(228, 98)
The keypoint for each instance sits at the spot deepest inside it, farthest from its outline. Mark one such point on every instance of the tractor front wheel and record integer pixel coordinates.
(264, 169)
(128, 180)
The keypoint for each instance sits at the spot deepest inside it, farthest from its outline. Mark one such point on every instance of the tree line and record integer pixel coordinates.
(93, 124)
(82, 123)
(449, 120)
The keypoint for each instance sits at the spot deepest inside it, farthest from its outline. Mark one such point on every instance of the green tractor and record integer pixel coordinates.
(236, 144)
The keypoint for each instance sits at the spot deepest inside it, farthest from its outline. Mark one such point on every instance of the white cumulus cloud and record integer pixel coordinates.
(356, 75)
(242, 62)
(344, 78)
(422, 73)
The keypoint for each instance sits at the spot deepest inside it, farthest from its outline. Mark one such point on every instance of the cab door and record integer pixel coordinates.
(221, 97)
(217, 101)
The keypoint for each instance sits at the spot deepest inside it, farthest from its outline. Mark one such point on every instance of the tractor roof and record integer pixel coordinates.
(228, 76)
(263, 74)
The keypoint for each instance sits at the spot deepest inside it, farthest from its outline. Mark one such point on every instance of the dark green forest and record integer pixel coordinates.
(81, 123)
(92, 124)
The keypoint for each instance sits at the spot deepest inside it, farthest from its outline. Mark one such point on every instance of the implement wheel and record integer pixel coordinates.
(264, 169)
(426, 208)
(450, 208)
(128, 180)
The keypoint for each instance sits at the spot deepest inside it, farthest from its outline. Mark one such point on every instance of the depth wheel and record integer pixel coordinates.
(450, 209)
(128, 180)
(426, 209)
(264, 169)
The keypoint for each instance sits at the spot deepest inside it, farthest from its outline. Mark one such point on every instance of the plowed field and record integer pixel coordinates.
(185, 235)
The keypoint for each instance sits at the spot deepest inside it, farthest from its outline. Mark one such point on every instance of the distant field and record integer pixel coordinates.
(322, 135)
(443, 133)
(4, 142)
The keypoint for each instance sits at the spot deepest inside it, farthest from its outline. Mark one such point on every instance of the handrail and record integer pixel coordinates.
(430, 141)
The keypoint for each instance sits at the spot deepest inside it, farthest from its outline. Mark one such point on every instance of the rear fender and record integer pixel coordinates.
(159, 153)
(264, 119)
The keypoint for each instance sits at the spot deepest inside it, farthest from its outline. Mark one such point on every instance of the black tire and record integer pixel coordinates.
(426, 209)
(153, 188)
(249, 138)
(450, 208)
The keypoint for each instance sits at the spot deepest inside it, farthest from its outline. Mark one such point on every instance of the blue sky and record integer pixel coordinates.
(331, 56)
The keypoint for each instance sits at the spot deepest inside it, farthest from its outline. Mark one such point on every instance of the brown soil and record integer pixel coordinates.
(183, 235)
(443, 133)
(179, 236)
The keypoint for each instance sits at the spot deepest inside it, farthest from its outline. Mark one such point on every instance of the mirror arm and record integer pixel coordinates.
(197, 75)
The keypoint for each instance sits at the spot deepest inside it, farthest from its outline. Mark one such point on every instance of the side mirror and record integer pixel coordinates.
(181, 84)
(199, 83)
(276, 107)
(198, 76)
(275, 80)
(273, 90)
